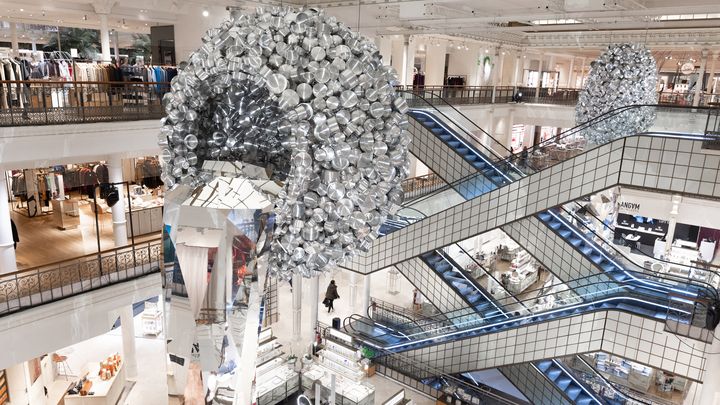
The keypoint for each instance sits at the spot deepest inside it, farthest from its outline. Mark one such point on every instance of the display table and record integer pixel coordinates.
(103, 392)
(145, 220)
(276, 382)
(347, 391)
(66, 214)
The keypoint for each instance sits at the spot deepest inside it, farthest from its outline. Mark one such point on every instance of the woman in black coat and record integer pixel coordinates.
(331, 295)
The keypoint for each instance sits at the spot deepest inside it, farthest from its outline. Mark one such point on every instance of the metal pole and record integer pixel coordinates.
(97, 228)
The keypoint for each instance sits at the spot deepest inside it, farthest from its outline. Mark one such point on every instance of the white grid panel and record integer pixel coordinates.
(437, 155)
(557, 255)
(534, 385)
(432, 286)
(582, 175)
(584, 333)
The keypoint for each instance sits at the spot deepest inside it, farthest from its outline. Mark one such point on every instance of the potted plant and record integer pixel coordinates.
(291, 359)
(367, 352)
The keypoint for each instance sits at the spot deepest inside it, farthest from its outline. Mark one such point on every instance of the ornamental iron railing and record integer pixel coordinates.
(52, 282)
(36, 102)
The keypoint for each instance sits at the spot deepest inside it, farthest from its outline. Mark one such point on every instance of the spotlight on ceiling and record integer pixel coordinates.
(205, 13)
(85, 17)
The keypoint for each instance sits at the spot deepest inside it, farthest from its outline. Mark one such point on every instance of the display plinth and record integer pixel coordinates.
(104, 392)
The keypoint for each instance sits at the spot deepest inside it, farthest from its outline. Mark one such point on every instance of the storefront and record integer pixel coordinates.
(120, 366)
(68, 208)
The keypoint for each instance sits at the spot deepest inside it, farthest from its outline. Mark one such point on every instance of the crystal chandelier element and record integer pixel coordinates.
(623, 75)
(300, 94)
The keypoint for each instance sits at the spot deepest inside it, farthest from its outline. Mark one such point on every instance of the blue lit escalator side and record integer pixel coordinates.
(456, 278)
(493, 177)
(575, 390)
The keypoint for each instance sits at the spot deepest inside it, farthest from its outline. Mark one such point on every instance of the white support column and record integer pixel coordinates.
(538, 83)
(116, 50)
(384, 45)
(516, 71)
(406, 63)
(710, 390)
(582, 73)
(314, 293)
(551, 69)
(701, 78)
(127, 325)
(13, 38)
(711, 81)
(104, 38)
(33, 42)
(8, 262)
(297, 307)
(570, 83)
(353, 292)
(114, 165)
(674, 211)
(434, 64)
(365, 302)
(496, 71)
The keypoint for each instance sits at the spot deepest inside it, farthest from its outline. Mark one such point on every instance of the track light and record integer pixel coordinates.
(85, 17)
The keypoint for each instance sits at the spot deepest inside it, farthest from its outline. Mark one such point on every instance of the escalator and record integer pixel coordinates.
(602, 169)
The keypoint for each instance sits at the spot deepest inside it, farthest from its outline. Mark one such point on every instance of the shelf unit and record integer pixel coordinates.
(275, 380)
(4, 393)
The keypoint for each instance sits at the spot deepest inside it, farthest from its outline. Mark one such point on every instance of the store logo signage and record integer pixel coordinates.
(630, 206)
(687, 68)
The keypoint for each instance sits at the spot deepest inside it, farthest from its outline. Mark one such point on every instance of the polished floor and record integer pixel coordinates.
(41, 242)
(384, 388)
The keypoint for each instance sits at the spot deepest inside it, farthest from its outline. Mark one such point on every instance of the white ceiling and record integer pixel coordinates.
(504, 21)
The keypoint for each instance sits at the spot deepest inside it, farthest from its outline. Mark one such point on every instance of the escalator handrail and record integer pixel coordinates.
(491, 276)
(472, 136)
(489, 322)
(669, 277)
(715, 292)
(454, 185)
(610, 383)
(618, 285)
(486, 390)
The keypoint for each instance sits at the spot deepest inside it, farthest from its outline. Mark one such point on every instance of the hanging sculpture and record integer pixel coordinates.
(300, 94)
(623, 75)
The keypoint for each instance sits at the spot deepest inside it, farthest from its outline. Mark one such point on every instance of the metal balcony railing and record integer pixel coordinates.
(416, 187)
(36, 102)
(52, 282)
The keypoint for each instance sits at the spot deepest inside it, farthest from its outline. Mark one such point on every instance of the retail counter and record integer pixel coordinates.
(277, 382)
(103, 392)
(145, 220)
(347, 391)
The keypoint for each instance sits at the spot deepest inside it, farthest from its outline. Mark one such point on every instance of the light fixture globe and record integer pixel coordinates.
(623, 75)
(299, 93)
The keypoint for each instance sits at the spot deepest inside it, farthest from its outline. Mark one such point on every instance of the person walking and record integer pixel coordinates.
(331, 295)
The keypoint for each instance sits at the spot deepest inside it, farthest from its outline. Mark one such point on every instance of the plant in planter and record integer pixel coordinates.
(292, 359)
(367, 352)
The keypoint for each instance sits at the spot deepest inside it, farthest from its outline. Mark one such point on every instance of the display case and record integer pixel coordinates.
(151, 319)
(522, 274)
(347, 391)
(275, 380)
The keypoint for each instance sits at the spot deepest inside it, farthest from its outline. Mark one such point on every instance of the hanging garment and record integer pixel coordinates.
(193, 266)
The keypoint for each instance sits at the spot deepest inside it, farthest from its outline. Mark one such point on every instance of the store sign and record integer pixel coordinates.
(629, 206)
(687, 68)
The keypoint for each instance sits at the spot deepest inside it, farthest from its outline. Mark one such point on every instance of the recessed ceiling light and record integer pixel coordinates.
(205, 13)
(22, 9)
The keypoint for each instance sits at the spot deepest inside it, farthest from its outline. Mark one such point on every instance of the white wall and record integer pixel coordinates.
(47, 145)
(46, 328)
(191, 27)
(435, 64)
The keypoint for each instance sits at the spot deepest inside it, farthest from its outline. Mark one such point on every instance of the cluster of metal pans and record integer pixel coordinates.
(299, 93)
